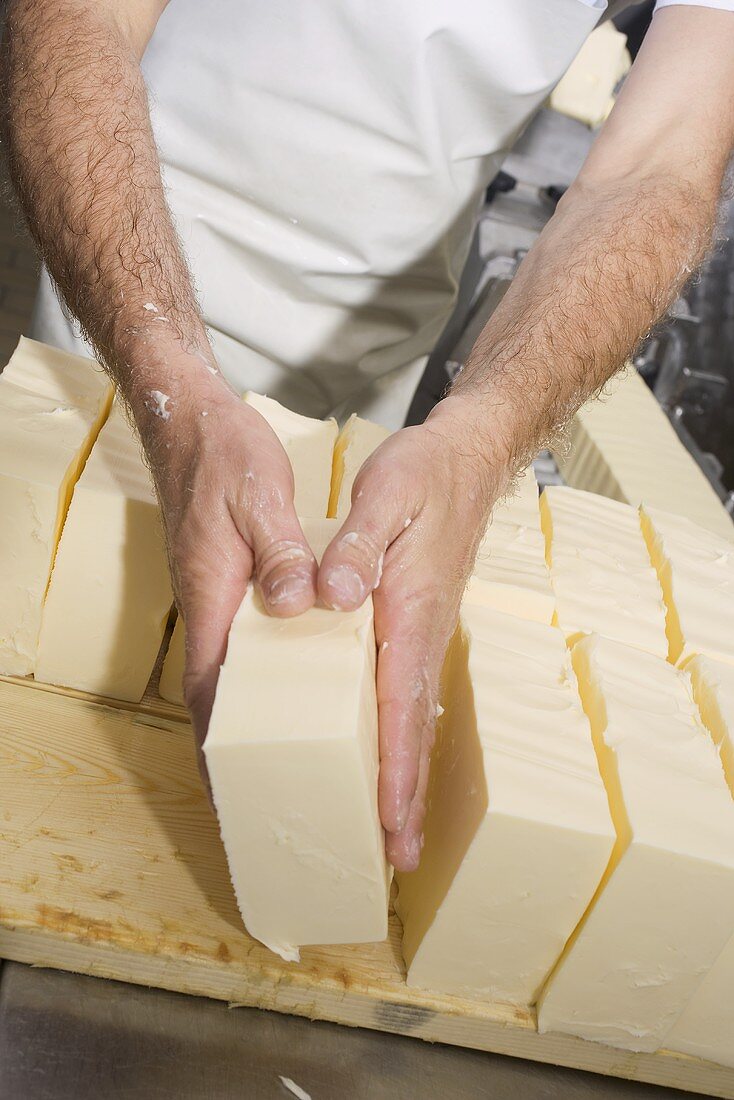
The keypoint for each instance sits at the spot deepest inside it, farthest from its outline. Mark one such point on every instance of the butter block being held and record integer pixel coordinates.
(309, 444)
(696, 572)
(46, 433)
(665, 908)
(510, 573)
(292, 755)
(354, 445)
(600, 569)
(706, 1028)
(518, 831)
(110, 592)
(170, 685)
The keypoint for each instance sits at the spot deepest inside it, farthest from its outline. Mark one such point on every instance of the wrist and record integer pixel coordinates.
(477, 438)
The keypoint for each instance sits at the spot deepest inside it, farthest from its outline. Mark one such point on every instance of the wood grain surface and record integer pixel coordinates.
(111, 864)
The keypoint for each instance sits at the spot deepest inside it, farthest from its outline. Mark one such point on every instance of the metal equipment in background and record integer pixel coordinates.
(688, 361)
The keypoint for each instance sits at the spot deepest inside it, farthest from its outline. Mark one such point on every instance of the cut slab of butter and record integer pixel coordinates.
(696, 572)
(665, 908)
(354, 445)
(49, 418)
(292, 754)
(309, 445)
(518, 831)
(110, 591)
(600, 570)
(510, 572)
(706, 1027)
(623, 446)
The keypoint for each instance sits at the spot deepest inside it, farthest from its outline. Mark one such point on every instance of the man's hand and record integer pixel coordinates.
(419, 508)
(226, 490)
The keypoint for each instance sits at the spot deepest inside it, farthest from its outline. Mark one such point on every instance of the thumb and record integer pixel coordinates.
(351, 567)
(285, 566)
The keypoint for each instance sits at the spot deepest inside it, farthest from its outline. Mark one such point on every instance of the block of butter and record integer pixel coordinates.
(292, 754)
(706, 1027)
(354, 445)
(585, 92)
(52, 406)
(518, 830)
(623, 446)
(665, 908)
(601, 572)
(510, 572)
(110, 591)
(696, 572)
(309, 445)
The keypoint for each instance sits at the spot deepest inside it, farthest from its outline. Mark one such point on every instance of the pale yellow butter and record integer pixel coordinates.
(309, 445)
(292, 753)
(601, 572)
(110, 591)
(696, 572)
(706, 1028)
(510, 573)
(354, 445)
(51, 408)
(665, 908)
(518, 831)
(623, 446)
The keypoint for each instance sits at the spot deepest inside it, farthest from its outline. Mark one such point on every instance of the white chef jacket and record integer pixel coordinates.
(325, 162)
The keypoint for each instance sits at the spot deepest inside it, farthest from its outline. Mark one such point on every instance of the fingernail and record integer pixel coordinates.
(285, 588)
(401, 818)
(346, 586)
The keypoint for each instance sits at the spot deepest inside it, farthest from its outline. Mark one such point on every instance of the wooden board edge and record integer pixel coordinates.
(360, 1008)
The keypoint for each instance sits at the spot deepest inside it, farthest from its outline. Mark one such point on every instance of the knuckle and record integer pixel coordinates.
(283, 555)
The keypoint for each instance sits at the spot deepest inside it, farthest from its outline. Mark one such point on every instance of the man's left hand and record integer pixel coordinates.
(419, 508)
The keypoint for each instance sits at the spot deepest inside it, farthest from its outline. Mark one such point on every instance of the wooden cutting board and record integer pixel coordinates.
(111, 864)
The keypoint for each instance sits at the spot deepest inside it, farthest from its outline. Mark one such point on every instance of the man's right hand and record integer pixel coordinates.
(226, 489)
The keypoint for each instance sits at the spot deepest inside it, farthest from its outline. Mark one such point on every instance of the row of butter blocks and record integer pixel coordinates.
(86, 593)
(579, 846)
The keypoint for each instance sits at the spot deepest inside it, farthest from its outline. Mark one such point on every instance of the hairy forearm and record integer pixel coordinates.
(602, 273)
(84, 163)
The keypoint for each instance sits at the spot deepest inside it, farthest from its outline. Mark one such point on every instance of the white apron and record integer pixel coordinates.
(324, 162)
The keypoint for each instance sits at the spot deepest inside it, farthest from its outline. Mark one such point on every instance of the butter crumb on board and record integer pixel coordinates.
(518, 831)
(110, 595)
(294, 780)
(665, 907)
(52, 406)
